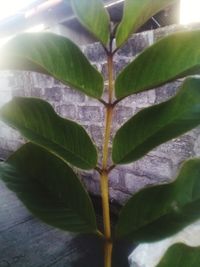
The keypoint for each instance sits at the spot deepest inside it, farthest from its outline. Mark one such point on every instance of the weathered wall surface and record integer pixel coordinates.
(156, 167)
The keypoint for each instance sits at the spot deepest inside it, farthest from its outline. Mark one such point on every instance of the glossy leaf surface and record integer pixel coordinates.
(170, 58)
(180, 255)
(53, 55)
(158, 212)
(37, 121)
(157, 124)
(136, 13)
(94, 17)
(49, 189)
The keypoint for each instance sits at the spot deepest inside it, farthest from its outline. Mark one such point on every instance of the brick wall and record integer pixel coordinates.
(156, 167)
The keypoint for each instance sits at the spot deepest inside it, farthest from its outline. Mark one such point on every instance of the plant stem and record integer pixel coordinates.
(106, 220)
(109, 113)
(110, 78)
(104, 172)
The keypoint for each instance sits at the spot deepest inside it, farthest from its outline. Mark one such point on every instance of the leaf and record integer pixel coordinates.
(136, 13)
(157, 124)
(170, 58)
(180, 255)
(49, 189)
(37, 121)
(94, 17)
(54, 55)
(158, 212)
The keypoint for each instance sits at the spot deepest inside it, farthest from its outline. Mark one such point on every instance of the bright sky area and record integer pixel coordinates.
(189, 11)
(10, 7)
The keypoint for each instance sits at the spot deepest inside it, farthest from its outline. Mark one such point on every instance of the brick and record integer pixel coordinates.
(41, 80)
(67, 111)
(178, 150)
(163, 32)
(143, 100)
(163, 93)
(19, 92)
(97, 133)
(121, 114)
(95, 52)
(91, 185)
(120, 64)
(134, 183)
(91, 114)
(53, 94)
(115, 178)
(139, 42)
(72, 95)
(155, 168)
(16, 79)
(125, 50)
(118, 196)
(104, 71)
(36, 92)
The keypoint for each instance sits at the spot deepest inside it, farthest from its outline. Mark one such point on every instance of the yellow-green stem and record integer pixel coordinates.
(104, 173)
(109, 113)
(106, 220)
(105, 202)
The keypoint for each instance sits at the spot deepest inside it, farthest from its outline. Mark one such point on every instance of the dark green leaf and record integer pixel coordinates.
(94, 17)
(174, 56)
(53, 55)
(49, 189)
(158, 212)
(157, 124)
(37, 121)
(180, 255)
(136, 13)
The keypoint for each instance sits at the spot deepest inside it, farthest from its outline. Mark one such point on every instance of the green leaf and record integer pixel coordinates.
(94, 17)
(157, 124)
(158, 212)
(49, 189)
(180, 255)
(37, 121)
(170, 58)
(53, 55)
(136, 13)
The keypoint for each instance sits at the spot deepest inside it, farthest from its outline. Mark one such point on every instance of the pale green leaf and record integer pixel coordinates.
(54, 55)
(136, 13)
(94, 17)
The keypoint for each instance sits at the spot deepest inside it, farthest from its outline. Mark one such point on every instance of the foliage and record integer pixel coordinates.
(42, 172)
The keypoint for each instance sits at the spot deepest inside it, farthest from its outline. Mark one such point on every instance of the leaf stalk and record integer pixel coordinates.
(104, 171)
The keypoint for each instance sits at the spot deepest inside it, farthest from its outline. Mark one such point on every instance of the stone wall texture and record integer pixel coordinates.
(158, 166)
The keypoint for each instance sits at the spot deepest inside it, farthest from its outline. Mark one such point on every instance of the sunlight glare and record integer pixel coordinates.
(12, 7)
(189, 11)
